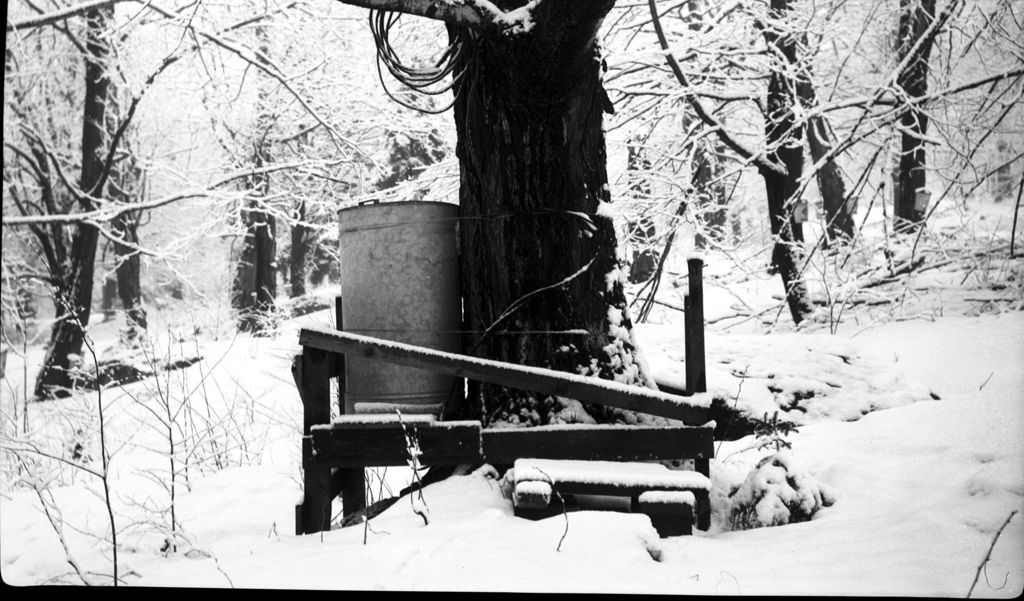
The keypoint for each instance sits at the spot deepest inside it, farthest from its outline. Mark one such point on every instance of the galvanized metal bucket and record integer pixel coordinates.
(399, 281)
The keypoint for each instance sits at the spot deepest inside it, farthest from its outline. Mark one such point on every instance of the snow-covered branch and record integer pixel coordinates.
(479, 15)
(60, 15)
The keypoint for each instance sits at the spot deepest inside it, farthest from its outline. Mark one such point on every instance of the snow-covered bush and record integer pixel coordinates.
(775, 493)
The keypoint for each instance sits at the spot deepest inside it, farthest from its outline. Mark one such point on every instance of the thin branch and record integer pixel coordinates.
(981, 566)
(111, 212)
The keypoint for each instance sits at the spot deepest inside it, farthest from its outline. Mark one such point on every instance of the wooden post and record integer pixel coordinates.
(695, 323)
(349, 481)
(689, 361)
(703, 507)
(313, 375)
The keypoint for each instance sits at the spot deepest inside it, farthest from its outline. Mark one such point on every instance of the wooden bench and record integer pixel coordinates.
(668, 497)
(336, 453)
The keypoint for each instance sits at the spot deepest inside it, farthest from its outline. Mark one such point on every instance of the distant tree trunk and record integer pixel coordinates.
(255, 285)
(915, 18)
(706, 166)
(127, 186)
(785, 139)
(109, 297)
(642, 233)
(839, 211)
(535, 254)
(74, 293)
(409, 156)
(706, 171)
(299, 251)
(129, 287)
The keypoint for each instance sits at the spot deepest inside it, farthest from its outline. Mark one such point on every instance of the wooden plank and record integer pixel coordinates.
(597, 443)
(612, 489)
(692, 410)
(441, 443)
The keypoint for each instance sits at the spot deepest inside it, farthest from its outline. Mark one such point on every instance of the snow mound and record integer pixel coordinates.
(776, 493)
(805, 377)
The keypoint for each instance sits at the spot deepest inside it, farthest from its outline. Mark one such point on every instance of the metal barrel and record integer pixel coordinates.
(399, 281)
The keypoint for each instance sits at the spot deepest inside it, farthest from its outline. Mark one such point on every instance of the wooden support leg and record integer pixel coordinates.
(350, 482)
(313, 377)
(703, 506)
(667, 519)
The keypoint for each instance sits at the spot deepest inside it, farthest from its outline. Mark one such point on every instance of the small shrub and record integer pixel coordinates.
(774, 494)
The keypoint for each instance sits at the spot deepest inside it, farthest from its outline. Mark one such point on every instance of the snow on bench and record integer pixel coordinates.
(668, 497)
(608, 475)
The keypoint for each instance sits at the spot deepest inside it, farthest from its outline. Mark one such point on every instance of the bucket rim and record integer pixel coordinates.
(372, 205)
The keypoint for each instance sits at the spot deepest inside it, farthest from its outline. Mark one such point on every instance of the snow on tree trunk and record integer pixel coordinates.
(539, 270)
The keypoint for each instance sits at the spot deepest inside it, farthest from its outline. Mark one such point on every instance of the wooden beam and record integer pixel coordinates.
(597, 443)
(355, 445)
(692, 410)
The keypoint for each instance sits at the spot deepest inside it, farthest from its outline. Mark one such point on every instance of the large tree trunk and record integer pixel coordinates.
(915, 18)
(538, 256)
(74, 294)
(785, 139)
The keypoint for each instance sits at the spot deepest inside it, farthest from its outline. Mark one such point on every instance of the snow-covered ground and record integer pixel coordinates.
(922, 489)
(911, 414)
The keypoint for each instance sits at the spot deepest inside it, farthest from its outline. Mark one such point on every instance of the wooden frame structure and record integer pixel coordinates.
(335, 454)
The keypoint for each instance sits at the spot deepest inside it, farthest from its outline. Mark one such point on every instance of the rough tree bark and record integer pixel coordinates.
(915, 18)
(537, 254)
(74, 292)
